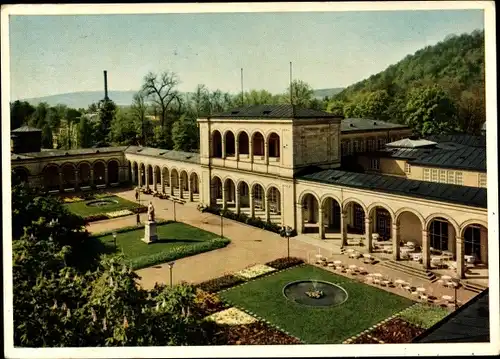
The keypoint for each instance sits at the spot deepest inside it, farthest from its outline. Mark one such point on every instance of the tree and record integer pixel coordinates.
(430, 111)
(20, 112)
(107, 112)
(39, 116)
(200, 101)
(85, 132)
(259, 97)
(126, 129)
(139, 108)
(185, 134)
(302, 93)
(471, 110)
(336, 107)
(47, 138)
(161, 90)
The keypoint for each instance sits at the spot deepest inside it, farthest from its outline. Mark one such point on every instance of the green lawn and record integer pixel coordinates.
(175, 240)
(81, 208)
(365, 306)
(424, 315)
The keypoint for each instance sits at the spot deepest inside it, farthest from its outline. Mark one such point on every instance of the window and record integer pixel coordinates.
(343, 148)
(407, 168)
(482, 180)
(355, 146)
(459, 178)
(349, 147)
(434, 175)
(442, 176)
(362, 145)
(375, 164)
(427, 174)
(439, 235)
(451, 177)
(371, 144)
(379, 144)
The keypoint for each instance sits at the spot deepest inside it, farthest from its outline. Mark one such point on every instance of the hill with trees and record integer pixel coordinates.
(438, 89)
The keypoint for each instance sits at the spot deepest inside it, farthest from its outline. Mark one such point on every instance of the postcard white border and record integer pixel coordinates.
(262, 351)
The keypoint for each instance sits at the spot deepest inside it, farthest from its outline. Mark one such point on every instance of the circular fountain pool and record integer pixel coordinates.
(300, 292)
(101, 202)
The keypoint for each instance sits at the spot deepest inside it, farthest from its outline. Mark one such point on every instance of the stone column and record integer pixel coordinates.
(77, 180)
(190, 190)
(171, 184)
(343, 229)
(181, 187)
(154, 180)
(133, 176)
(146, 177)
(224, 199)
(106, 175)
(250, 198)
(266, 206)
(237, 149)
(162, 179)
(61, 182)
(320, 222)
(395, 241)
(250, 148)
(426, 249)
(237, 200)
(368, 233)
(460, 250)
(223, 146)
(91, 176)
(266, 152)
(300, 218)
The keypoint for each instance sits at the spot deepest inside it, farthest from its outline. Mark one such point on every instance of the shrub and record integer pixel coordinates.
(160, 222)
(285, 262)
(220, 283)
(208, 303)
(95, 217)
(176, 253)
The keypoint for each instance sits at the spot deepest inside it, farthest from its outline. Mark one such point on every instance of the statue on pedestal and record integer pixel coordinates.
(150, 235)
(151, 212)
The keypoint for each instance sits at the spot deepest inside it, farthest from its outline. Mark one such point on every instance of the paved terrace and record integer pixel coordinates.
(249, 245)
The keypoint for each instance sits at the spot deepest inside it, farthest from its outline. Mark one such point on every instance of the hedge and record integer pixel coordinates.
(285, 262)
(217, 284)
(242, 217)
(176, 253)
(128, 228)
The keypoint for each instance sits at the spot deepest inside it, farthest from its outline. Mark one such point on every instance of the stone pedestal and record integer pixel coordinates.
(150, 235)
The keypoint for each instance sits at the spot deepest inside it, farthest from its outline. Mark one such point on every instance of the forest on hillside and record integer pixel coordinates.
(438, 89)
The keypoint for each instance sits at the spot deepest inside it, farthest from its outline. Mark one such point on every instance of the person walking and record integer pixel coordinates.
(138, 218)
(136, 195)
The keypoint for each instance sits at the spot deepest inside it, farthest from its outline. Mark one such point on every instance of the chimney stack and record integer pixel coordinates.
(106, 85)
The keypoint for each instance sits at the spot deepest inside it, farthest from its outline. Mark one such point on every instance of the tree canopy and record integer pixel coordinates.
(455, 66)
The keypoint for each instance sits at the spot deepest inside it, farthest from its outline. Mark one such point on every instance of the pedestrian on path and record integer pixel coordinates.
(136, 195)
(138, 217)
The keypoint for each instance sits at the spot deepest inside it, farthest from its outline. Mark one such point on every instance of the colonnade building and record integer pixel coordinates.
(313, 171)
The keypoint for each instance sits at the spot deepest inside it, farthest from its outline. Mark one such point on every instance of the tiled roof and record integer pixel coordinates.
(467, 158)
(168, 154)
(461, 139)
(26, 129)
(366, 124)
(443, 192)
(47, 153)
(273, 111)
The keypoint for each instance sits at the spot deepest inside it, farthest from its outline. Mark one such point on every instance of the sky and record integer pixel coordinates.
(54, 54)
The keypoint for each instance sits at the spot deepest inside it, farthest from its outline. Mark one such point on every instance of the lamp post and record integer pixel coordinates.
(455, 287)
(221, 224)
(170, 267)
(288, 233)
(175, 217)
(114, 239)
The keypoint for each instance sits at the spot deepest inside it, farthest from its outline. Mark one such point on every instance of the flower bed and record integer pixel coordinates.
(122, 213)
(396, 330)
(254, 334)
(220, 283)
(208, 303)
(424, 315)
(72, 199)
(283, 263)
(255, 271)
(232, 316)
(364, 339)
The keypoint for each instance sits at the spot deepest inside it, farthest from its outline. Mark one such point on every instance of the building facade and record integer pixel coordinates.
(285, 165)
